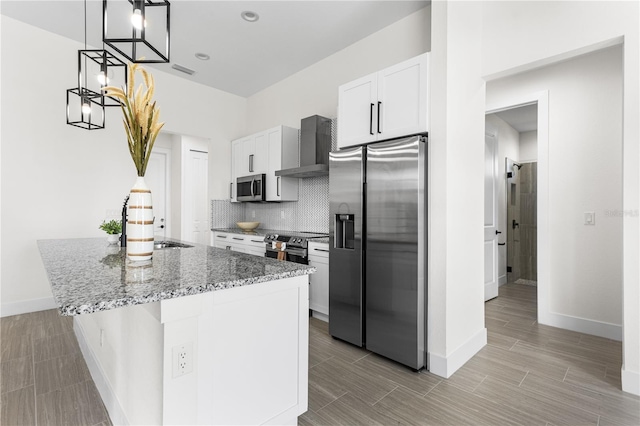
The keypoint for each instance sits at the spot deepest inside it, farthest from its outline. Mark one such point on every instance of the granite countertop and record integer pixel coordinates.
(87, 275)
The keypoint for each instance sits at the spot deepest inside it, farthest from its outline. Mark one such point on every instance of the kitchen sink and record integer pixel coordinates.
(169, 244)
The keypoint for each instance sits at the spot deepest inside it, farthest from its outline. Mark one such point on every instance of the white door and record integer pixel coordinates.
(357, 111)
(402, 99)
(195, 208)
(158, 178)
(491, 231)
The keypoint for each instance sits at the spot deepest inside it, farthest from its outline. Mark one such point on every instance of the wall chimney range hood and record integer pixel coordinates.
(315, 144)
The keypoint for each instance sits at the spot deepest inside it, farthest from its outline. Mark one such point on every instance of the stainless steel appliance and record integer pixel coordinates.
(251, 188)
(295, 245)
(315, 144)
(377, 248)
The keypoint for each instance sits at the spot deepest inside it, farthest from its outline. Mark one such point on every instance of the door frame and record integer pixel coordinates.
(544, 247)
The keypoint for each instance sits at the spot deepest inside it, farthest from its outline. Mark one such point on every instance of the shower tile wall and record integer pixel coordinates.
(310, 213)
(528, 222)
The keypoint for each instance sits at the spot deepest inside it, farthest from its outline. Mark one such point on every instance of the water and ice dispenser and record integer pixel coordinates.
(344, 231)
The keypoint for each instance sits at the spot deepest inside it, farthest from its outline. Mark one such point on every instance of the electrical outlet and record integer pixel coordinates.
(282, 214)
(101, 337)
(253, 214)
(182, 359)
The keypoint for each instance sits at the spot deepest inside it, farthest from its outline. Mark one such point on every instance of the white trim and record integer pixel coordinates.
(320, 316)
(630, 381)
(109, 398)
(446, 366)
(27, 306)
(544, 245)
(583, 325)
(502, 280)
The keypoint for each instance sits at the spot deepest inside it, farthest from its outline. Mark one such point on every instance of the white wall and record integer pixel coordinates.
(456, 142)
(514, 40)
(508, 147)
(529, 146)
(314, 90)
(58, 181)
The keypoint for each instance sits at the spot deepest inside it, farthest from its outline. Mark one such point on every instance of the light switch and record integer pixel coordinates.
(589, 218)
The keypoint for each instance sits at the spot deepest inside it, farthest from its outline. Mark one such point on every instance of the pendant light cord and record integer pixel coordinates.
(85, 44)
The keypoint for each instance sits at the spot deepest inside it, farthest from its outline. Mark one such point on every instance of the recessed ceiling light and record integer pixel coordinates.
(250, 16)
(202, 56)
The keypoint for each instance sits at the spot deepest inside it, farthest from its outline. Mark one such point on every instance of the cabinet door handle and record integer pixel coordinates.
(239, 239)
(221, 236)
(379, 103)
(251, 163)
(322, 250)
(258, 241)
(231, 190)
(371, 120)
(278, 187)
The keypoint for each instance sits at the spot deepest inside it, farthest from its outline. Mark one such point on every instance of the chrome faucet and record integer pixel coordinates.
(123, 237)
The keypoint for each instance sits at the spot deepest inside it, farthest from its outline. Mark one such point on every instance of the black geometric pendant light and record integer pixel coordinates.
(98, 68)
(139, 30)
(85, 106)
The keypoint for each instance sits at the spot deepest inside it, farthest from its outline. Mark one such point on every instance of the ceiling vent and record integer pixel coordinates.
(183, 69)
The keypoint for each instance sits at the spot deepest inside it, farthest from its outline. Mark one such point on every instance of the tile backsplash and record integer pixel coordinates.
(310, 213)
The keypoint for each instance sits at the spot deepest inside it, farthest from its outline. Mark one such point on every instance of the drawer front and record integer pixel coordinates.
(318, 250)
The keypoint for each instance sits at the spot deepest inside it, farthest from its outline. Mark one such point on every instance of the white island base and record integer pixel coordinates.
(246, 356)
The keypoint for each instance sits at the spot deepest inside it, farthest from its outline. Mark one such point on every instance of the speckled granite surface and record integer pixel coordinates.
(87, 275)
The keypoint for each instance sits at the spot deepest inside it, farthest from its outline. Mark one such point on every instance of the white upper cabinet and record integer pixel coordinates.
(267, 152)
(356, 116)
(283, 149)
(388, 104)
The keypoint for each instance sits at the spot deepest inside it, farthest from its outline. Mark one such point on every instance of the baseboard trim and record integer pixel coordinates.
(27, 306)
(446, 366)
(630, 381)
(111, 403)
(582, 325)
(502, 280)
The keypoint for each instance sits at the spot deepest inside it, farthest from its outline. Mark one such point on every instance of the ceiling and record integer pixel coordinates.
(245, 57)
(523, 119)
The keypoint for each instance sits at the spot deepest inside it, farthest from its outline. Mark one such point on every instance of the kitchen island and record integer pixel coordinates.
(197, 336)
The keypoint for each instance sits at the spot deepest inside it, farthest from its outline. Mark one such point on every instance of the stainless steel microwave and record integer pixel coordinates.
(251, 188)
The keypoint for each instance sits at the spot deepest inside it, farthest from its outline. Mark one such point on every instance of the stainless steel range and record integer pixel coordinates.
(295, 245)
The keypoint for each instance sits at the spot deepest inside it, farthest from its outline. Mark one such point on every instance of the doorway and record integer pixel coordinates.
(158, 178)
(515, 128)
(522, 228)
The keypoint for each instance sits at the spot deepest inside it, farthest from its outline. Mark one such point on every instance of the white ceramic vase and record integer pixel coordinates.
(140, 222)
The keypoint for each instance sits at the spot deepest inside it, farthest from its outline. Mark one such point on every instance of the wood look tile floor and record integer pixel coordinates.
(43, 378)
(527, 374)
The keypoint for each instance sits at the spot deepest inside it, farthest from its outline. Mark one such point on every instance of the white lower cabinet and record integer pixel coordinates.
(251, 244)
(319, 281)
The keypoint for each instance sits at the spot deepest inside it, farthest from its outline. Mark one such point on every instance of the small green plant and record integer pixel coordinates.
(112, 227)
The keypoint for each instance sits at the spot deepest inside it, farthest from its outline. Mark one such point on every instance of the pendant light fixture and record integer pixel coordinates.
(137, 29)
(98, 68)
(85, 107)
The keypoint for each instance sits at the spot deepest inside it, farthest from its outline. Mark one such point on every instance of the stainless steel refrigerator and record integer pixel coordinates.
(377, 248)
